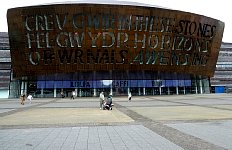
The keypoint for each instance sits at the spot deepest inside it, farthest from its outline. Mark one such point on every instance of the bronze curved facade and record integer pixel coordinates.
(68, 38)
(88, 48)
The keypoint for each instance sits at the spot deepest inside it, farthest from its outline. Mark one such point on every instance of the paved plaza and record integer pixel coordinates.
(174, 122)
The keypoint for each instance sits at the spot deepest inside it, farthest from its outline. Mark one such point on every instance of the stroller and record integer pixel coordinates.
(108, 103)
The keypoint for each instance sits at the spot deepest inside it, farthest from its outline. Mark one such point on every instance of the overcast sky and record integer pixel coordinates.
(220, 10)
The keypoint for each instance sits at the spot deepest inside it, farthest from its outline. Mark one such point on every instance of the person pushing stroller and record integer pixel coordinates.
(108, 103)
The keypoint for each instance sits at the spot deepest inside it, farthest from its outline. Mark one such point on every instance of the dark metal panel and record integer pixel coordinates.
(70, 38)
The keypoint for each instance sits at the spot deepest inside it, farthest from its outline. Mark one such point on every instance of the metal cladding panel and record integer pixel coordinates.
(66, 38)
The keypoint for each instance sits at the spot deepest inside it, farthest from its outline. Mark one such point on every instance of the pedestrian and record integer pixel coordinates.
(22, 98)
(129, 97)
(108, 104)
(62, 94)
(29, 97)
(73, 95)
(101, 99)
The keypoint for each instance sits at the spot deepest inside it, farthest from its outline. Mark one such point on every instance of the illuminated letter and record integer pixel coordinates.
(61, 26)
(78, 17)
(94, 21)
(94, 39)
(28, 23)
(34, 58)
(167, 42)
(49, 24)
(153, 41)
(110, 35)
(39, 23)
(61, 38)
(124, 23)
(141, 41)
(79, 39)
(123, 41)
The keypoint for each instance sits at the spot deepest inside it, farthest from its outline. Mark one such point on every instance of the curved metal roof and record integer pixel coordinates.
(109, 2)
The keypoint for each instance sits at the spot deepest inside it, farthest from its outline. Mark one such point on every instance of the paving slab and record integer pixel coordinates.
(217, 132)
(64, 116)
(130, 137)
(191, 122)
(182, 113)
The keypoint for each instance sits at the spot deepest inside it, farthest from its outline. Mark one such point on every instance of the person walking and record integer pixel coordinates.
(22, 98)
(62, 94)
(29, 97)
(129, 97)
(101, 99)
(108, 103)
(73, 95)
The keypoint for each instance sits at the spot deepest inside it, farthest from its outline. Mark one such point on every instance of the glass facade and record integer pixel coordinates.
(89, 88)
